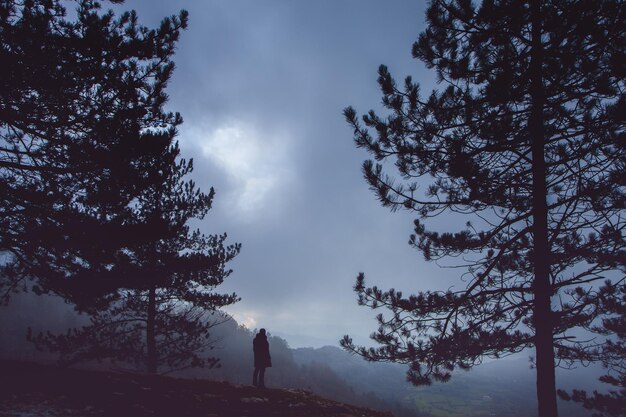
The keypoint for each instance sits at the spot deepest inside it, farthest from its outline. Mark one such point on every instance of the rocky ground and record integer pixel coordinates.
(33, 390)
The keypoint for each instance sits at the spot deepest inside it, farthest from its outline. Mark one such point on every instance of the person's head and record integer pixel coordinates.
(262, 332)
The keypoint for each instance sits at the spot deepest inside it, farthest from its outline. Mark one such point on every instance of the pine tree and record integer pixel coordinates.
(163, 322)
(81, 116)
(525, 141)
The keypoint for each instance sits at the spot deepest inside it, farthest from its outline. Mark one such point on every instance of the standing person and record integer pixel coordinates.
(262, 358)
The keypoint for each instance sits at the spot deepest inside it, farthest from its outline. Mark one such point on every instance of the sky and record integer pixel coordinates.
(261, 86)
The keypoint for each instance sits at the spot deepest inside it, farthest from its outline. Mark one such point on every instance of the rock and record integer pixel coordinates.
(254, 400)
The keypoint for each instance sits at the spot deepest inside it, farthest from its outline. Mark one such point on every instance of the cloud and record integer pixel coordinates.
(246, 319)
(261, 88)
(254, 161)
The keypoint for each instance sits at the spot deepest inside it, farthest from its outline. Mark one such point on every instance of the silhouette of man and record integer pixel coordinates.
(262, 358)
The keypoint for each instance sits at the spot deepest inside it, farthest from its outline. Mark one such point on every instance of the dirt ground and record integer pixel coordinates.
(33, 390)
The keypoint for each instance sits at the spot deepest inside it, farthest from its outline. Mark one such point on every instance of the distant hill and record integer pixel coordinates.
(505, 387)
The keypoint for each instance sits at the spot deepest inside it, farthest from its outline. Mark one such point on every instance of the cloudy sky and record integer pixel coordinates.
(261, 86)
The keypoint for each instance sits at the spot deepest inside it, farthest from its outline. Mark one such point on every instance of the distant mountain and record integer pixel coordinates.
(299, 340)
(504, 387)
(385, 380)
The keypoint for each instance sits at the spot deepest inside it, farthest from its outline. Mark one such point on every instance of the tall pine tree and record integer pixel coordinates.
(525, 141)
(81, 117)
(161, 321)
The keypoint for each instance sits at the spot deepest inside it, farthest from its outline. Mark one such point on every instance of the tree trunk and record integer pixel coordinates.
(546, 389)
(151, 360)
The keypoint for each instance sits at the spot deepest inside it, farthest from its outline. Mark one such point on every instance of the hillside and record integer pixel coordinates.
(503, 387)
(30, 389)
(497, 388)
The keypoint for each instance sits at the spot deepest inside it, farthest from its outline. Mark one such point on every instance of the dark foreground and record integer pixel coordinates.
(33, 390)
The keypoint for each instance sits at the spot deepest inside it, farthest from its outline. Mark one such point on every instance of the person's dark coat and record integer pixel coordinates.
(261, 349)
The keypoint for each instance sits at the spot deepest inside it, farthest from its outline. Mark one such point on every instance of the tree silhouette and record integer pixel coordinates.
(81, 116)
(162, 323)
(525, 142)
(611, 353)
